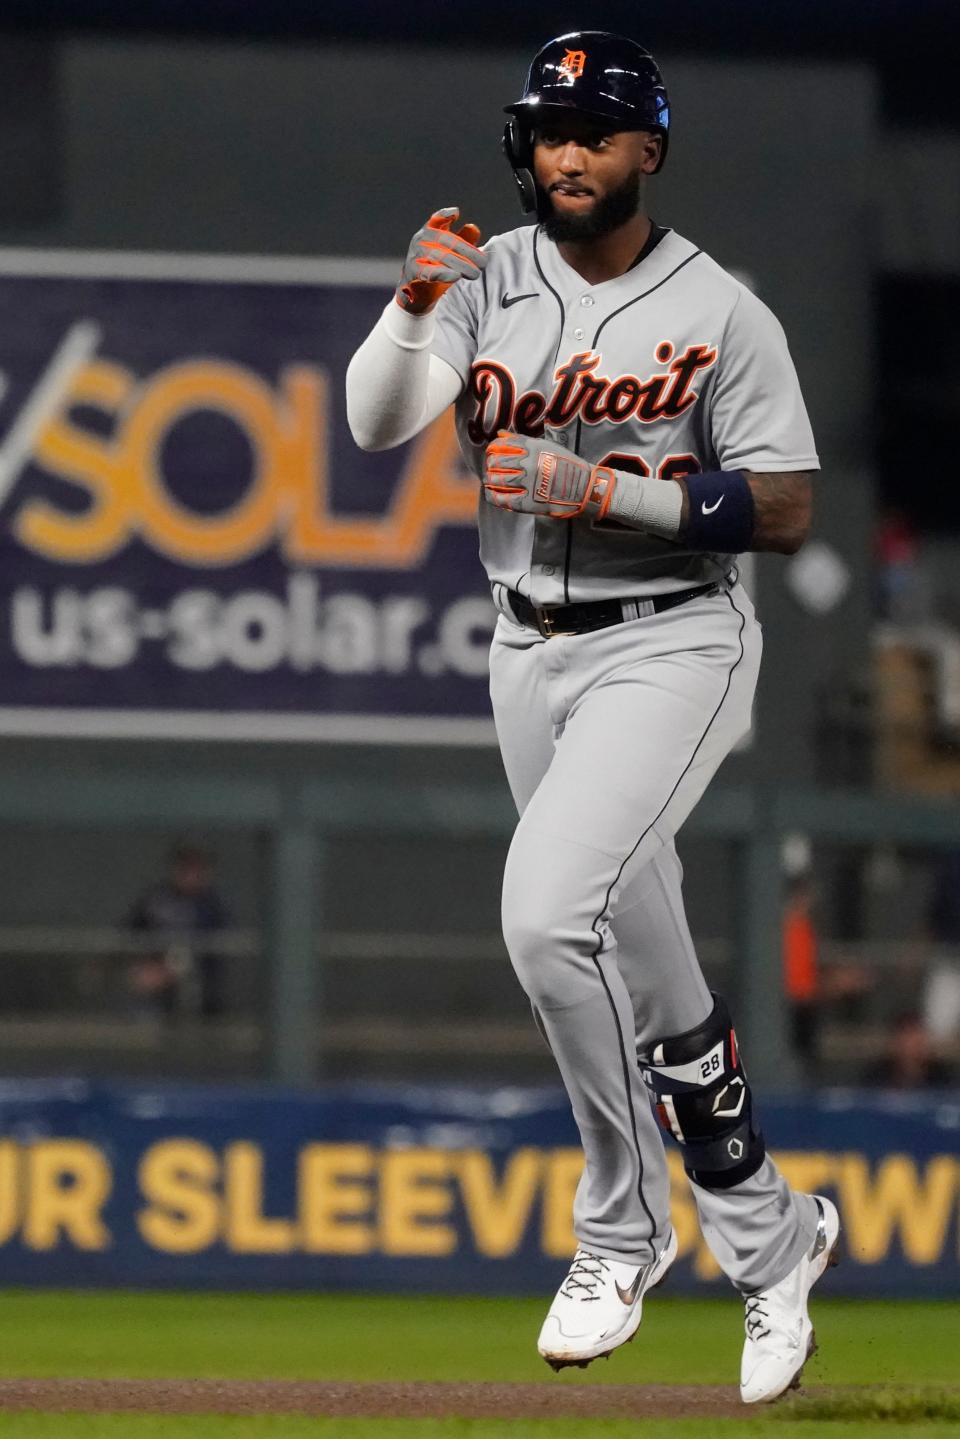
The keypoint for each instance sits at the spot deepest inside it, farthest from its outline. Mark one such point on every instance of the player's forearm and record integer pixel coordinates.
(394, 386)
(723, 512)
(782, 510)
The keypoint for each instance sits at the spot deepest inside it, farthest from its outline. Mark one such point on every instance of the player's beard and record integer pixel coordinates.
(609, 213)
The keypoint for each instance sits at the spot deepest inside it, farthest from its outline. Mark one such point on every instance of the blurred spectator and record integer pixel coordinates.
(183, 911)
(910, 1061)
(801, 973)
(941, 994)
(810, 987)
(904, 588)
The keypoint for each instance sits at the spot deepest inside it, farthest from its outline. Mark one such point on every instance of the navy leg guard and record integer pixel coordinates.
(702, 1098)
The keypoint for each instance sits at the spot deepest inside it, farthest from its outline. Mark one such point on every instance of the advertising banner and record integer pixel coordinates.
(192, 543)
(416, 1188)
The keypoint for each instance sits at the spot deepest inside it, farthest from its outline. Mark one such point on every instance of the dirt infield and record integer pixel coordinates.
(376, 1401)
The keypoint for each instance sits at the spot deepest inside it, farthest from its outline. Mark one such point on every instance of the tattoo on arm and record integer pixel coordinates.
(782, 509)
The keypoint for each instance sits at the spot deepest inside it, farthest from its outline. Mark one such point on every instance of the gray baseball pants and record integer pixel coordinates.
(608, 740)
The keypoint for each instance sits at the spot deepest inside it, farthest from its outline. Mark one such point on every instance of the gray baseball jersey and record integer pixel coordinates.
(672, 368)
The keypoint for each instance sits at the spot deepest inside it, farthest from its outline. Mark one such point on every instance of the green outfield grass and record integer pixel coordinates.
(358, 1337)
(904, 1346)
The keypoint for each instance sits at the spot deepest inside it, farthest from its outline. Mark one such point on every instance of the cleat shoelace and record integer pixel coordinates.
(756, 1320)
(586, 1272)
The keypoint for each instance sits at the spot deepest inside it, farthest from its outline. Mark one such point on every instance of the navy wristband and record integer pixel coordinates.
(720, 512)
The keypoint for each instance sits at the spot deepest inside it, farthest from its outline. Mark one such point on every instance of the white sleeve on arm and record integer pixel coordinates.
(395, 386)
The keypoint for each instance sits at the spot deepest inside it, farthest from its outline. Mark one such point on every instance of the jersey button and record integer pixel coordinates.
(587, 300)
(562, 437)
(578, 334)
(549, 569)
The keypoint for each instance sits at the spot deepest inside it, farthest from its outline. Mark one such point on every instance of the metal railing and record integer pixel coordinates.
(300, 821)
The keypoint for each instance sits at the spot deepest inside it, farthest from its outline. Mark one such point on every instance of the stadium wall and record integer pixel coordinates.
(433, 1189)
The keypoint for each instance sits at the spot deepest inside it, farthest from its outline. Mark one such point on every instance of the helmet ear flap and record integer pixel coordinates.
(518, 148)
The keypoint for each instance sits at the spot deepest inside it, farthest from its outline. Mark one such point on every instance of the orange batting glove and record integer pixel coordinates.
(438, 257)
(538, 477)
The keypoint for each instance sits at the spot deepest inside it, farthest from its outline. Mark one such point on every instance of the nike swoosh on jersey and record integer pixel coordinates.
(509, 300)
(709, 509)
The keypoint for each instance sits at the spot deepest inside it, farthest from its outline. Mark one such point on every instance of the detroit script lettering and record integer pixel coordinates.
(581, 393)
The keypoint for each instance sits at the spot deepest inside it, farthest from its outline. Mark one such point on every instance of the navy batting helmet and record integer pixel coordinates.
(605, 76)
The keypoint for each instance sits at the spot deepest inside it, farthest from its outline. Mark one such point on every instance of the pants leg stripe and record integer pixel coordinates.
(625, 862)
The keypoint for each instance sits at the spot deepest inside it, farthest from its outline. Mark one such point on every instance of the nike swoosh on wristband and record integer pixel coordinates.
(709, 509)
(509, 300)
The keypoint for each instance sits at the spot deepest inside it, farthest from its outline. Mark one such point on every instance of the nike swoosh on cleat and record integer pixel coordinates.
(509, 300)
(628, 1296)
(709, 509)
(820, 1241)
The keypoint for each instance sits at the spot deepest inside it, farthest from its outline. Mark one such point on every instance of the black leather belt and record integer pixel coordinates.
(579, 619)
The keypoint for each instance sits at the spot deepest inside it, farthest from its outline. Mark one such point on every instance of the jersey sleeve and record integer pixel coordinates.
(455, 338)
(757, 416)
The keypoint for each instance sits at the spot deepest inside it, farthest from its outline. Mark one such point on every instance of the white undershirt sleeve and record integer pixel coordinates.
(395, 386)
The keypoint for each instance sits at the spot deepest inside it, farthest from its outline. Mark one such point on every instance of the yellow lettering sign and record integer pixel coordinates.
(92, 465)
(69, 1183)
(9, 1189)
(415, 1197)
(898, 1199)
(498, 1212)
(288, 493)
(178, 1178)
(248, 1230)
(335, 1198)
(354, 1200)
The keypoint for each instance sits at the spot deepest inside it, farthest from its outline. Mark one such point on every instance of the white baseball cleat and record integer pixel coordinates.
(780, 1337)
(599, 1306)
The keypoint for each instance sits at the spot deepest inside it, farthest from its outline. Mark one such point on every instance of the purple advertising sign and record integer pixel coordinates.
(193, 545)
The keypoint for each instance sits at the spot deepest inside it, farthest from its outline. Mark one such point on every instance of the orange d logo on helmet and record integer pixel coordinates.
(573, 63)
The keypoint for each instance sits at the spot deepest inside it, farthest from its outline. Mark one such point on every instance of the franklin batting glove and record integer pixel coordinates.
(539, 477)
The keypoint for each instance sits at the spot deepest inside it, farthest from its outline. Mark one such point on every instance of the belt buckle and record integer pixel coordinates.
(546, 625)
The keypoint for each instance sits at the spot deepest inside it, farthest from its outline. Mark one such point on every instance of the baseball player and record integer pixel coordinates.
(634, 419)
